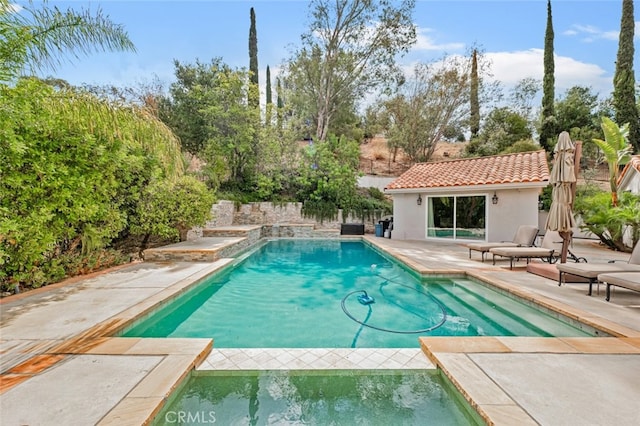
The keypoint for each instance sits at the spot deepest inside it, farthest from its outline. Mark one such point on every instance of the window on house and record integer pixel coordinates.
(458, 217)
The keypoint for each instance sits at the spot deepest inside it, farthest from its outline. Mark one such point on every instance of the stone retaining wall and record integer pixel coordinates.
(225, 213)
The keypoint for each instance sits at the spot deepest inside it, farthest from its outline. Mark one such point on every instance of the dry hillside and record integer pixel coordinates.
(375, 158)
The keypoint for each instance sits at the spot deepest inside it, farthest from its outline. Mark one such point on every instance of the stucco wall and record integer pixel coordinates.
(515, 207)
(380, 182)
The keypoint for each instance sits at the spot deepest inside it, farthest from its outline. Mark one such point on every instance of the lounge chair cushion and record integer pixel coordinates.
(520, 253)
(488, 246)
(628, 280)
(525, 236)
(592, 270)
(551, 246)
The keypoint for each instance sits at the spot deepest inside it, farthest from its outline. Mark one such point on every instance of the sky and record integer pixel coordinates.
(511, 33)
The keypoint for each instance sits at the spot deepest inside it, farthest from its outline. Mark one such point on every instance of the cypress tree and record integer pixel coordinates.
(280, 104)
(268, 85)
(254, 92)
(269, 102)
(624, 99)
(475, 104)
(548, 126)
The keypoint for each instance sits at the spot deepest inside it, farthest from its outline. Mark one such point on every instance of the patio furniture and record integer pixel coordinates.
(548, 250)
(628, 280)
(592, 270)
(524, 237)
(522, 253)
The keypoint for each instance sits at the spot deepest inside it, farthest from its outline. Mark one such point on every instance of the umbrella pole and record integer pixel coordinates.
(566, 239)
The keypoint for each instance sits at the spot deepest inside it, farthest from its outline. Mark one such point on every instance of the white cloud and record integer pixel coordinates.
(425, 42)
(589, 33)
(511, 67)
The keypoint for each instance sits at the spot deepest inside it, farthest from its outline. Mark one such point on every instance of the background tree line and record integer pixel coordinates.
(88, 169)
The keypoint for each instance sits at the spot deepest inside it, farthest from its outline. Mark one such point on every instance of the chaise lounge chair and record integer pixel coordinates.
(592, 270)
(549, 250)
(628, 280)
(525, 237)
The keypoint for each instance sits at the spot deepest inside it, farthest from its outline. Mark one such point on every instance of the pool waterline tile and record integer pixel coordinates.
(316, 359)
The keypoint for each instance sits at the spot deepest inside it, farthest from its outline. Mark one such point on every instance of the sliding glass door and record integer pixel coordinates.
(457, 217)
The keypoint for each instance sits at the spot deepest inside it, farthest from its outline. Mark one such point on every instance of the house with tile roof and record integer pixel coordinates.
(629, 179)
(467, 199)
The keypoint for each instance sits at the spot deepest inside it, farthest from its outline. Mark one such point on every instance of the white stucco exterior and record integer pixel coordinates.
(517, 205)
(630, 181)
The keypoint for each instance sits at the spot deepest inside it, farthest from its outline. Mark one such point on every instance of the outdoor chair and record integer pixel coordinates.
(525, 237)
(549, 250)
(591, 271)
(628, 280)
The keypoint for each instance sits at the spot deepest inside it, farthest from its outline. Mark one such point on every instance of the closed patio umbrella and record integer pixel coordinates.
(563, 179)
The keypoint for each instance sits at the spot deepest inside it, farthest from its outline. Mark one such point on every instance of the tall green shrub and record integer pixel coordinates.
(624, 85)
(72, 168)
(548, 127)
(475, 103)
(610, 223)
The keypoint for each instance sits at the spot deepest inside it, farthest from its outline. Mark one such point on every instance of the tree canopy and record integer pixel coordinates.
(427, 105)
(349, 49)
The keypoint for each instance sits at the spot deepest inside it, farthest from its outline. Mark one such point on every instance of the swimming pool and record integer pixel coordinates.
(311, 293)
(377, 397)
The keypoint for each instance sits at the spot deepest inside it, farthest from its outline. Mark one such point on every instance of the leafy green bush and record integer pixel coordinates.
(170, 209)
(610, 223)
(329, 183)
(73, 171)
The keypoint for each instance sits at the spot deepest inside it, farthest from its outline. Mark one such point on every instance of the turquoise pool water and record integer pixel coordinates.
(305, 294)
(317, 398)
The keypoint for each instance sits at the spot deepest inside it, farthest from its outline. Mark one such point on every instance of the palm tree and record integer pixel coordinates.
(36, 38)
(617, 151)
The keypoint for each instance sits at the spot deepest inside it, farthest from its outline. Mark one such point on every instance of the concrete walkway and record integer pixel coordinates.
(61, 363)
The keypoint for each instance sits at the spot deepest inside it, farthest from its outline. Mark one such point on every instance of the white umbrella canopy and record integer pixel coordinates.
(564, 166)
(563, 179)
(560, 213)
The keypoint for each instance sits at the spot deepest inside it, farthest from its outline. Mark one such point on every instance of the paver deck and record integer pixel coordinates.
(57, 348)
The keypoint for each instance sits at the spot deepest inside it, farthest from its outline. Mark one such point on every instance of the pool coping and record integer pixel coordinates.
(449, 354)
(453, 356)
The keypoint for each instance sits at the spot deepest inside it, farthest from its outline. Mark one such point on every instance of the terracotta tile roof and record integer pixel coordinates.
(498, 169)
(634, 163)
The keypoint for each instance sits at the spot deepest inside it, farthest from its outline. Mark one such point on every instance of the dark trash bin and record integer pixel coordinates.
(385, 224)
(379, 230)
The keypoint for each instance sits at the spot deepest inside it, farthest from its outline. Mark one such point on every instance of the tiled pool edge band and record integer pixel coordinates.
(140, 408)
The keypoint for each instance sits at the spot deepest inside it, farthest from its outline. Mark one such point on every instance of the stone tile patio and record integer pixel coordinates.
(57, 347)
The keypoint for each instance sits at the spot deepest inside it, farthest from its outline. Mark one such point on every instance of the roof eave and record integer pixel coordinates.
(469, 188)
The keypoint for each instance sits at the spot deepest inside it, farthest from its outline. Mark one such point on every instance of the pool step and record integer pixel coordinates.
(512, 317)
(205, 249)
